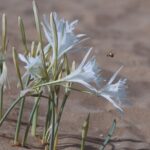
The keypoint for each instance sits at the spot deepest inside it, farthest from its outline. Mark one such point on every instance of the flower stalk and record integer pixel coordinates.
(30, 121)
(55, 47)
(2, 61)
(15, 58)
(85, 128)
(35, 117)
(1, 100)
(23, 34)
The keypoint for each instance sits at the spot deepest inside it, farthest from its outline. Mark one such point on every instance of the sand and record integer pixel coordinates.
(122, 27)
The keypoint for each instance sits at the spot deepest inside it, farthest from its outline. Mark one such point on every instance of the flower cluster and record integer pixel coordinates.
(64, 31)
(60, 32)
(48, 69)
(33, 66)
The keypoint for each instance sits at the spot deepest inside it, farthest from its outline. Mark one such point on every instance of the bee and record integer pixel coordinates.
(110, 54)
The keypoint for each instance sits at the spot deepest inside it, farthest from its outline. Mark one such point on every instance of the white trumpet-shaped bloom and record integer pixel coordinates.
(3, 69)
(33, 66)
(3, 75)
(114, 92)
(86, 73)
(66, 37)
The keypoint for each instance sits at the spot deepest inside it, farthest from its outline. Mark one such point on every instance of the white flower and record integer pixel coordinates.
(115, 92)
(33, 66)
(3, 75)
(3, 69)
(86, 73)
(66, 37)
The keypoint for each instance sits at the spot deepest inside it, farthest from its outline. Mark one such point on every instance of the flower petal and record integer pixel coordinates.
(3, 75)
(115, 93)
(114, 75)
(23, 58)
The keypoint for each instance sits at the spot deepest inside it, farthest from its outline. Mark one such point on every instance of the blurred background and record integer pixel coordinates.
(120, 27)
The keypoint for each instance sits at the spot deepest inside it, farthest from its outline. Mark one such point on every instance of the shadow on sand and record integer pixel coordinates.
(73, 141)
(93, 143)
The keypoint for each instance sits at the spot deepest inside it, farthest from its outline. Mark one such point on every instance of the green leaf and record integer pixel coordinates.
(15, 58)
(37, 22)
(23, 34)
(85, 128)
(109, 135)
(4, 32)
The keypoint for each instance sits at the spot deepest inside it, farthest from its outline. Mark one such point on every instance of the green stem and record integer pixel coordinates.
(16, 139)
(34, 120)
(30, 120)
(54, 32)
(85, 128)
(4, 33)
(108, 137)
(1, 101)
(61, 111)
(37, 22)
(23, 34)
(38, 28)
(49, 83)
(47, 134)
(9, 110)
(1, 93)
(52, 139)
(47, 122)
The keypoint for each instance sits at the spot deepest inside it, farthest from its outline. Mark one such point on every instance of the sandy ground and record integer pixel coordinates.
(120, 26)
